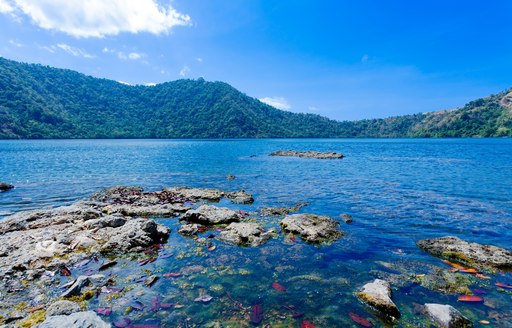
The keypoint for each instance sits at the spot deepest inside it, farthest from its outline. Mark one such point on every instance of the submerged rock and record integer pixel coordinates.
(283, 210)
(245, 233)
(312, 228)
(446, 316)
(471, 254)
(308, 154)
(5, 186)
(377, 294)
(241, 197)
(209, 214)
(446, 282)
(87, 319)
(188, 229)
(62, 307)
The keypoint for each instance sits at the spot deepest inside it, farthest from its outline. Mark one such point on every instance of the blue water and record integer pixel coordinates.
(398, 191)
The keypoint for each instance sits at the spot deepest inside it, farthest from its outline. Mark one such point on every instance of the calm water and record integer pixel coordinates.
(398, 191)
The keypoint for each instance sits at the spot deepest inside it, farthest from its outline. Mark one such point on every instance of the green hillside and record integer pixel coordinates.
(42, 102)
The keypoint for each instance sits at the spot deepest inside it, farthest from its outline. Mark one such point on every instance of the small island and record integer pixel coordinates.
(308, 154)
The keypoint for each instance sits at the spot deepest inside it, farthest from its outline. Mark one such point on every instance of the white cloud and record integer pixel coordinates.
(277, 102)
(49, 49)
(199, 60)
(313, 109)
(98, 18)
(184, 71)
(365, 58)
(16, 44)
(125, 83)
(5, 7)
(134, 55)
(131, 55)
(77, 52)
(150, 84)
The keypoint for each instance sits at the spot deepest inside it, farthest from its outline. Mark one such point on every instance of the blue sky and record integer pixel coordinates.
(342, 59)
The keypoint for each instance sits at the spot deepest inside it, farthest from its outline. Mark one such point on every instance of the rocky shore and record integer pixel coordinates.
(107, 261)
(308, 154)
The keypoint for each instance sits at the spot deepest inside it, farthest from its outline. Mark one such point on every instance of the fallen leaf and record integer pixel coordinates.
(137, 305)
(484, 322)
(35, 308)
(203, 298)
(499, 284)
(469, 270)
(482, 276)
(122, 323)
(278, 287)
(306, 324)
(256, 314)
(103, 310)
(172, 274)
(360, 320)
(211, 248)
(470, 298)
(151, 280)
(201, 229)
(144, 262)
(479, 291)
(64, 271)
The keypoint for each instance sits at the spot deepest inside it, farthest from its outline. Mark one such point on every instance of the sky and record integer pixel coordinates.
(346, 60)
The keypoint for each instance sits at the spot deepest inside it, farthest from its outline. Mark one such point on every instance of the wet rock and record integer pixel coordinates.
(134, 236)
(245, 234)
(308, 154)
(446, 282)
(213, 195)
(87, 319)
(446, 316)
(63, 307)
(471, 254)
(5, 186)
(230, 177)
(163, 210)
(76, 287)
(312, 228)
(208, 215)
(377, 294)
(241, 197)
(346, 218)
(283, 210)
(188, 229)
(112, 221)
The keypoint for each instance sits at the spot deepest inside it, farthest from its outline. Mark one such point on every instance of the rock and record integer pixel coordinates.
(283, 210)
(163, 210)
(87, 319)
(346, 218)
(312, 228)
(188, 229)
(470, 254)
(308, 154)
(377, 294)
(112, 221)
(63, 307)
(208, 215)
(446, 316)
(241, 197)
(230, 177)
(134, 236)
(446, 282)
(245, 234)
(76, 288)
(5, 186)
(198, 193)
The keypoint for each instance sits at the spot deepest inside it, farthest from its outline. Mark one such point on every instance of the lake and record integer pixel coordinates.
(398, 191)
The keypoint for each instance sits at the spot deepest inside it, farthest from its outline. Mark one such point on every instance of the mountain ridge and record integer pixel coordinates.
(41, 102)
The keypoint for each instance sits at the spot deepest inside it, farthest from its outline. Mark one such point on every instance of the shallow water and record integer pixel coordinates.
(398, 192)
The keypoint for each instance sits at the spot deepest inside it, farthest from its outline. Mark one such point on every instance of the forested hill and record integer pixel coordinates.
(42, 102)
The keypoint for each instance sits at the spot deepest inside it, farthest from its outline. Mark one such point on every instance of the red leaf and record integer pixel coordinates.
(65, 272)
(143, 262)
(278, 287)
(172, 274)
(306, 324)
(35, 308)
(103, 311)
(502, 285)
(256, 314)
(470, 298)
(469, 270)
(360, 320)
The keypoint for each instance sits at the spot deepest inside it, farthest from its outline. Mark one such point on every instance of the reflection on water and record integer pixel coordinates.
(398, 191)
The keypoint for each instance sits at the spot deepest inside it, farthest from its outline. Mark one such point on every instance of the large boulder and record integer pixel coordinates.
(470, 254)
(308, 154)
(87, 319)
(245, 233)
(63, 307)
(446, 316)
(312, 228)
(377, 294)
(5, 186)
(241, 197)
(209, 215)
(213, 195)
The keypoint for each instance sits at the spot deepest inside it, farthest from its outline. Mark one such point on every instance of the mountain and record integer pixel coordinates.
(42, 102)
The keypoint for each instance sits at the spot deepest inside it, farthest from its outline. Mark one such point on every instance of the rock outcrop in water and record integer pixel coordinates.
(87, 319)
(209, 215)
(308, 154)
(312, 228)
(377, 294)
(446, 316)
(5, 186)
(471, 254)
(245, 233)
(211, 195)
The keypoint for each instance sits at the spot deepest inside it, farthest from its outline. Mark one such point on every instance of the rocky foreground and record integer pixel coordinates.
(118, 228)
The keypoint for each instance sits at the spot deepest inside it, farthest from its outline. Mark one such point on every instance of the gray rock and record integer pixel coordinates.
(308, 154)
(245, 234)
(188, 229)
(76, 287)
(446, 316)
(377, 294)
(5, 186)
(213, 195)
(159, 210)
(241, 197)
(312, 228)
(112, 221)
(471, 254)
(135, 235)
(209, 214)
(87, 319)
(63, 307)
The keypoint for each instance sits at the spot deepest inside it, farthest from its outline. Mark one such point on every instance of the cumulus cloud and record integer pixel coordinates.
(131, 55)
(98, 18)
(277, 102)
(77, 52)
(184, 71)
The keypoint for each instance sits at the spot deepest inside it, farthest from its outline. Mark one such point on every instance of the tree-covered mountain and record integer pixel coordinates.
(42, 102)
